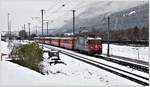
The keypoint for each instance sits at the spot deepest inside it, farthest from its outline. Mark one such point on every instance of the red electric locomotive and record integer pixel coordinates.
(89, 44)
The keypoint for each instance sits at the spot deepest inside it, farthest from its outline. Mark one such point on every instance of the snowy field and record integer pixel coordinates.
(139, 53)
(73, 72)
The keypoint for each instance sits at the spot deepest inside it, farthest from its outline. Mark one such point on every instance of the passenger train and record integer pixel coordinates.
(90, 45)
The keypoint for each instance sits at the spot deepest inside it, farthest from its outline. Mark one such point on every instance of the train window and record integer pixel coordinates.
(91, 42)
(81, 41)
(98, 41)
(65, 41)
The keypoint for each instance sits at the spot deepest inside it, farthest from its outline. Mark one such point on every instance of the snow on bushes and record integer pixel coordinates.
(29, 55)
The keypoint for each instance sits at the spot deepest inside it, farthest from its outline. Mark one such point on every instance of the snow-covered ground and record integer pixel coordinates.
(103, 61)
(73, 72)
(79, 73)
(13, 74)
(5, 51)
(139, 53)
(4, 48)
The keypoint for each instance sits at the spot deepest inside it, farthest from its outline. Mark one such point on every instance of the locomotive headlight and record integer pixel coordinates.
(91, 47)
(96, 46)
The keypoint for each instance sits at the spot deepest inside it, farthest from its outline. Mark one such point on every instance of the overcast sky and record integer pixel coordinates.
(21, 11)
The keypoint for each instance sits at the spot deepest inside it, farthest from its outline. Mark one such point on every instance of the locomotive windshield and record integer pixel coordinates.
(94, 42)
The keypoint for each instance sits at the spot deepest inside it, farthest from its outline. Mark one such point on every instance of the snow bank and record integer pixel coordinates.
(13, 74)
(139, 53)
(4, 47)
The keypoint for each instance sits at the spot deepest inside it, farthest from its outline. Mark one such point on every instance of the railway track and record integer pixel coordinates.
(134, 65)
(140, 79)
(125, 62)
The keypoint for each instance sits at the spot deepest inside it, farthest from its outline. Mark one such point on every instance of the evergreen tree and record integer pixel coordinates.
(23, 34)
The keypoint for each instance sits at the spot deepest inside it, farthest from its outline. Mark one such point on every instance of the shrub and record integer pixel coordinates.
(30, 55)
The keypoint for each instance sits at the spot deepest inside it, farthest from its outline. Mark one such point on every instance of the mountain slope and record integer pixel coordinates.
(94, 15)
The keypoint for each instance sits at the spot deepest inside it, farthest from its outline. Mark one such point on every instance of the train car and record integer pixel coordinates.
(38, 39)
(67, 42)
(47, 40)
(89, 45)
(55, 41)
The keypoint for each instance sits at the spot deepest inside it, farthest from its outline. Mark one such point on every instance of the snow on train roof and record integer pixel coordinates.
(54, 37)
(89, 38)
(98, 38)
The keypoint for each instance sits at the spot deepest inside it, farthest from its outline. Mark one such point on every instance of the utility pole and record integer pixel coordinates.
(29, 29)
(73, 28)
(10, 29)
(8, 26)
(24, 27)
(36, 30)
(108, 38)
(47, 28)
(9, 33)
(42, 11)
(73, 22)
